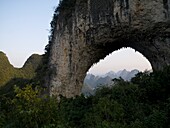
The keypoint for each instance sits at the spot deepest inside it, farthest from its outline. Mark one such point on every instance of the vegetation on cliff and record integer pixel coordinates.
(7, 71)
(142, 103)
(10, 76)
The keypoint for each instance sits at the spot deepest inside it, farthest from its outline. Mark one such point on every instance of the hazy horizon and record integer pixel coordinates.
(125, 58)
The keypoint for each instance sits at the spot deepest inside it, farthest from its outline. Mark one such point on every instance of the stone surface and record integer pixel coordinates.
(96, 28)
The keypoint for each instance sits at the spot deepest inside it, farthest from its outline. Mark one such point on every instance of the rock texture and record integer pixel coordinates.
(91, 29)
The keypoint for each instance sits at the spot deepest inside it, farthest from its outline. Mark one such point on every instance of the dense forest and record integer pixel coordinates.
(144, 102)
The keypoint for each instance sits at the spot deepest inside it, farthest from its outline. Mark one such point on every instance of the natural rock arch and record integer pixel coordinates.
(91, 29)
(124, 58)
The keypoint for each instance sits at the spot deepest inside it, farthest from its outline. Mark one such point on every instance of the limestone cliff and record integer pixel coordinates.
(85, 31)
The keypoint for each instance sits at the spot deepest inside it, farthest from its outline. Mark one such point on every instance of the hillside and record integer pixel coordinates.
(8, 72)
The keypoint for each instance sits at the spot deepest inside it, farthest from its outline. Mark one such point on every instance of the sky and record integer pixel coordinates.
(125, 58)
(24, 30)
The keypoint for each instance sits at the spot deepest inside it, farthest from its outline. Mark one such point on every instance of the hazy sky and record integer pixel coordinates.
(24, 26)
(125, 58)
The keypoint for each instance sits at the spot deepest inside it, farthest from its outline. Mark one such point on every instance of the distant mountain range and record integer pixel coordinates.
(91, 82)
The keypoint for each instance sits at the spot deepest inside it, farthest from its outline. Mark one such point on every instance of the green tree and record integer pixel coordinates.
(31, 110)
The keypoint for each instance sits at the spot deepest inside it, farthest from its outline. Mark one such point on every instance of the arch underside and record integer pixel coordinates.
(153, 43)
(91, 34)
(75, 61)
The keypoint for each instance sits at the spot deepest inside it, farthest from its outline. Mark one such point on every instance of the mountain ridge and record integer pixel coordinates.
(8, 71)
(91, 82)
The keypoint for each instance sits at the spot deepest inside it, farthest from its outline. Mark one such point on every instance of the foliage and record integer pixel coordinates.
(142, 103)
(8, 72)
(30, 110)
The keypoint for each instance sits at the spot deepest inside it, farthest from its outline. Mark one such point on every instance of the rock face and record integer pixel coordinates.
(92, 29)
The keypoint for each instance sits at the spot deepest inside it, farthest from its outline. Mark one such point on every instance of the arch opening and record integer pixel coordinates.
(125, 63)
(124, 58)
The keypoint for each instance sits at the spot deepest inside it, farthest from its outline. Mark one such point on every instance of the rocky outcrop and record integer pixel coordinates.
(91, 29)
